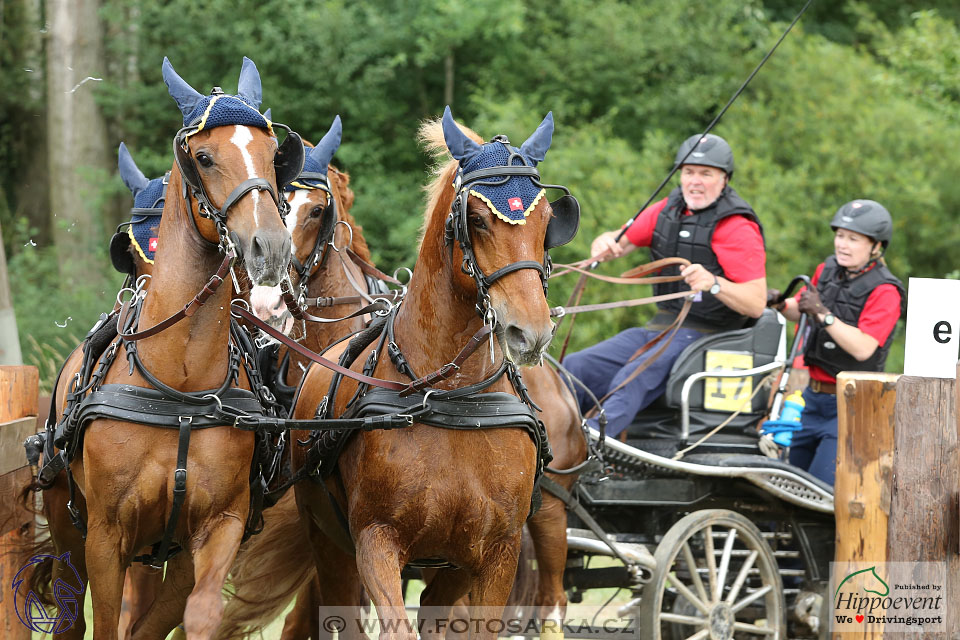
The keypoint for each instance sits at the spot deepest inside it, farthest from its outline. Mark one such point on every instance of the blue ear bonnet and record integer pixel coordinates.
(514, 199)
(151, 197)
(218, 110)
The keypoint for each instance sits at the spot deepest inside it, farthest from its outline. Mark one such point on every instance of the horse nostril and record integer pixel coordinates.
(518, 339)
(259, 246)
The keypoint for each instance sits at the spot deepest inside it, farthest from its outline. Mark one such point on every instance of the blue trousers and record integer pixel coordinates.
(814, 447)
(604, 366)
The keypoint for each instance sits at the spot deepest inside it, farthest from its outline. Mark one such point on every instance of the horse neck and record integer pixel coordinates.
(437, 318)
(191, 355)
(329, 280)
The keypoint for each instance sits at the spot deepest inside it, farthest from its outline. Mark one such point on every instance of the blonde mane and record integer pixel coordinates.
(431, 138)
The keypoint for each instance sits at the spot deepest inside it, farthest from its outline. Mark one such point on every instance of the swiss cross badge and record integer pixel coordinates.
(516, 204)
(152, 244)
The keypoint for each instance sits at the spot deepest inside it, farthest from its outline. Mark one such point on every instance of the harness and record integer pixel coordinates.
(163, 406)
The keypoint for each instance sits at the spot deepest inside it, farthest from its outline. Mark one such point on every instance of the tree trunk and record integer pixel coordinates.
(9, 340)
(78, 155)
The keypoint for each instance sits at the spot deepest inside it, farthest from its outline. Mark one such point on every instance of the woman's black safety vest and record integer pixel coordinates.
(845, 297)
(678, 235)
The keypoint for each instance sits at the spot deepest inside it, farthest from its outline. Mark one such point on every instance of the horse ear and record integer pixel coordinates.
(322, 154)
(461, 147)
(535, 148)
(248, 87)
(186, 96)
(129, 172)
(268, 115)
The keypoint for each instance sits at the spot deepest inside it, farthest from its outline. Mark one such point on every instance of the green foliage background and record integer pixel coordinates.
(862, 100)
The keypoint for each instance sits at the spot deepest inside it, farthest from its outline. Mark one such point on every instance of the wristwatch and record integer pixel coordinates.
(715, 289)
(828, 319)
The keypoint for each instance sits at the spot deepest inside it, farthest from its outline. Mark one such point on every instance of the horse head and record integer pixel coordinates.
(502, 225)
(315, 204)
(226, 150)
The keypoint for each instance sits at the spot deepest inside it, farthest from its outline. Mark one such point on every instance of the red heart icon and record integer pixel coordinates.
(859, 618)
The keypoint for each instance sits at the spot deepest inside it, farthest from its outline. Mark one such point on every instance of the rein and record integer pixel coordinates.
(188, 309)
(404, 390)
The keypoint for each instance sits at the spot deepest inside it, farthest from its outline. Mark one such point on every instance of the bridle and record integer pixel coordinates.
(328, 224)
(288, 162)
(560, 230)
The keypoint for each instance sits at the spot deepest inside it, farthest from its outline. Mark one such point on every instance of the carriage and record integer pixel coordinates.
(721, 538)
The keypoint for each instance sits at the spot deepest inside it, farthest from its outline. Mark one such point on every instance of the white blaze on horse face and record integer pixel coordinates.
(300, 198)
(242, 137)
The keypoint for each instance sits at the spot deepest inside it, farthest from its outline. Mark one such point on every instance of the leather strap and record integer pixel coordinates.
(160, 556)
(442, 373)
(371, 270)
(188, 309)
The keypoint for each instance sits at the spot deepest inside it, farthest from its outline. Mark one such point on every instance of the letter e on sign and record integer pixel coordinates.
(933, 316)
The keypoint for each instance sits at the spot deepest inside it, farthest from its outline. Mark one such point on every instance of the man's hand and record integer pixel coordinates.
(810, 303)
(773, 298)
(697, 277)
(606, 247)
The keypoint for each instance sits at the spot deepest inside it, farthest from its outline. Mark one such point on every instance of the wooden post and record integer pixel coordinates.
(898, 475)
(18, 411)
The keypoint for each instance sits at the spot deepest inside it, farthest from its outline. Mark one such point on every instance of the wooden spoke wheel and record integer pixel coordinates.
(716, 579)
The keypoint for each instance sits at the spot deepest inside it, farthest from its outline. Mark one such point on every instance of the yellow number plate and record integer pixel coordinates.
(728, 394)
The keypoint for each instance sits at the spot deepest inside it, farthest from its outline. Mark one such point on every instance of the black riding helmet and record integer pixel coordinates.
(709, 150)
(867, 217)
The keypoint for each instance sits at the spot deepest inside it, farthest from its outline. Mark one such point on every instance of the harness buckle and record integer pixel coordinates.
(426, 395)
(180, 481)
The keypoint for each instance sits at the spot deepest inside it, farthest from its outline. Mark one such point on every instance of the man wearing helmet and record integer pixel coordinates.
(706, 222)
(853, 308)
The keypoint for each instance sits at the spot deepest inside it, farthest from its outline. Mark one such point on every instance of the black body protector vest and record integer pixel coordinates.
(845, 297)
(678, 235)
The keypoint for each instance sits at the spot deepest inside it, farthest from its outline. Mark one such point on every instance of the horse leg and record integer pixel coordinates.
(303, 621)
(445, 587)
(491, 585)
(548, 528)
(107, 559)
(211, 561)
(140, 589)
(335, 591)
(165, 609)
(379, 564)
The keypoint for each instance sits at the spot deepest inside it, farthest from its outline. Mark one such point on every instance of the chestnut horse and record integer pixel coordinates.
(423, 493)
(275, 552)
(270, 567)
(123, 469)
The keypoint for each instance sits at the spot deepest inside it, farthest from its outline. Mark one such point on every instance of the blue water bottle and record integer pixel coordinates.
(782, 429)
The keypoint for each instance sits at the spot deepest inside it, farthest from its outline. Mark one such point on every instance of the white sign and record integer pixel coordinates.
(933, 328)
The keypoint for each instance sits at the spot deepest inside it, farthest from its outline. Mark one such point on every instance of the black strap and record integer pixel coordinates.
(160, 556)
(574, 505)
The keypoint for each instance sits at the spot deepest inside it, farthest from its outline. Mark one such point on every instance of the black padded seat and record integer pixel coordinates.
(662, 418)
(753, 461)
(721, 443)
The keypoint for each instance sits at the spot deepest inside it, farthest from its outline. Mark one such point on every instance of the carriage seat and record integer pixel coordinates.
(754, 461)
(759, 343)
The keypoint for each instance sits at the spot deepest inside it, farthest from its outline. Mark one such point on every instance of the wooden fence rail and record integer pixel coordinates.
(18, 419)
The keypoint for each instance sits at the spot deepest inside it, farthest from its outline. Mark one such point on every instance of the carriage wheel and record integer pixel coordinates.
(735, 590)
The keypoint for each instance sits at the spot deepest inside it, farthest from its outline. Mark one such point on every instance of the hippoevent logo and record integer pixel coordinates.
(67, 595)
(892, 597)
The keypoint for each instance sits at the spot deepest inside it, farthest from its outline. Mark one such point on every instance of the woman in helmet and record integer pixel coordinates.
(853, 308)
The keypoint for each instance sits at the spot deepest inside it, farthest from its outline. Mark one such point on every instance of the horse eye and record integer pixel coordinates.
(204, 159)
(477, 221)
(316, 211)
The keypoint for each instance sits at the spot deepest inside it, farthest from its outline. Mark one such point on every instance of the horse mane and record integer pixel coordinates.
(439, 195)
(346, 194)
